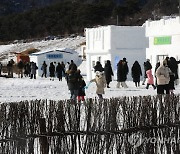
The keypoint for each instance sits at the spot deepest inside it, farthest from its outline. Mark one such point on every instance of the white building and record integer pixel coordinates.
(114, 43)
(55, 56)
(164, 39)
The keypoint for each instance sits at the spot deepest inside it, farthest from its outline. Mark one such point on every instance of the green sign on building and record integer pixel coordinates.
(162, 40)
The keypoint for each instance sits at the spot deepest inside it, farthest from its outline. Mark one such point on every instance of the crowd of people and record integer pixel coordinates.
(165, 75)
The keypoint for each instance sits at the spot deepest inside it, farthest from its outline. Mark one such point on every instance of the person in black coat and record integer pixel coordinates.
(72, 66)
(173, 65)
(73, 82)
(98, 67)
(108, 72)
(59, 71)
(20, 66)
(52, 71)
(122, 71)
(136, 73)
(44, 69)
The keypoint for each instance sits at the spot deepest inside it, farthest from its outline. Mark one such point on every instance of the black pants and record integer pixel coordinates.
(162, 88)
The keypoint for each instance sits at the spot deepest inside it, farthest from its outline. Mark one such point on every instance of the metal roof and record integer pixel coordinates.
(64, 50)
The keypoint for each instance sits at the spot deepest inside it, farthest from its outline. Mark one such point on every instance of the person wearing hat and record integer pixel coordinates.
(163, 78)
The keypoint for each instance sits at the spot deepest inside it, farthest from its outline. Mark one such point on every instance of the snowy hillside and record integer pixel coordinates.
(7, 51)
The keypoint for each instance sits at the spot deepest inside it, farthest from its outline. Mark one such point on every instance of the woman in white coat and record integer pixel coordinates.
(100, 84)
(163, 78)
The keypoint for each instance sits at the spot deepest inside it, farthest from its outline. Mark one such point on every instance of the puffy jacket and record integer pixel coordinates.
(150, 79)
(100, 83)
(162, 74)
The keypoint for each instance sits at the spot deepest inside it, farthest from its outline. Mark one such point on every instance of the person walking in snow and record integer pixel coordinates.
(147, 66)
(150, 79)
(72, 66)
(33, 70)
(163, 77)
(0, 68)
(108, 72)
(136, 73)
(173, 65)
(27, 69)
(10, 69)
(20, 66)
(73, 82)
(59, 71)
(122, 71)
(100, 84)
(44, 69)
(81, 90)
(52, 71)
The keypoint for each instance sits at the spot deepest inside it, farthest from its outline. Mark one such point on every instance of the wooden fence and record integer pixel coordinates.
(127, 125)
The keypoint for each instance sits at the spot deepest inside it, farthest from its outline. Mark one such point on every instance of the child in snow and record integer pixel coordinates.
(81, 90)
(150, 80)
(100, 83)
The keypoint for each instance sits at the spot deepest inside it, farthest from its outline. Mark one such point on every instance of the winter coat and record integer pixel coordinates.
(162, 75)
(136, 72)
(98, 67)
(73, 66)
(122, 71)
(100, 83)
(81, 90)
(73, 78)
(52, 70)
(59, 70)
(20, 65)
(173, 65)
(108, 72)
(33, 68)
(27, 68)
(150, 79)
(44, 67)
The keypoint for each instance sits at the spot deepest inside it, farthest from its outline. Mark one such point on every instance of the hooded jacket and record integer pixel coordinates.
(162, 74)
(100, 82)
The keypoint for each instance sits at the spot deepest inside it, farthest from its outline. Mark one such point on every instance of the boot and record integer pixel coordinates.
(154, 86)
(147, 86)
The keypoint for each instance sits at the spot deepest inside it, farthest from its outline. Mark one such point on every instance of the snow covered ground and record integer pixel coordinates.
(15, 89)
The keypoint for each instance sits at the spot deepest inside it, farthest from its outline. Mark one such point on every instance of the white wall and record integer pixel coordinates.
(164, 27)
(114, 43)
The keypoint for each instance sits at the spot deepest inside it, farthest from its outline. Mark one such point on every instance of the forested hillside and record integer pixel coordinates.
(69, 17)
